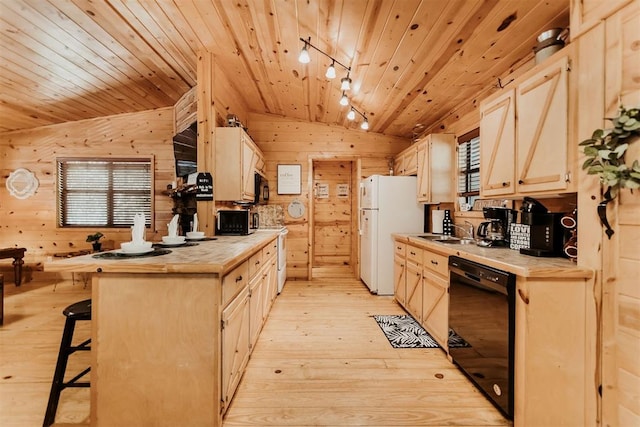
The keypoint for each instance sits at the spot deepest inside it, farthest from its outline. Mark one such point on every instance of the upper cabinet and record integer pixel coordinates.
(525, 132)
(406, 162)
(436, 168)
(238, 159)
(586, 14)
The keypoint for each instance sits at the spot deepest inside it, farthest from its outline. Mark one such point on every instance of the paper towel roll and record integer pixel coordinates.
(436, 221)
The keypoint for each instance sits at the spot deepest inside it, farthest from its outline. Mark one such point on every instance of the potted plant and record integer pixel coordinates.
(95, 240)
(605, 152)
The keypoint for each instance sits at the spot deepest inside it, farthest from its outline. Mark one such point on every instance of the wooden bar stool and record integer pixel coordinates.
(75, 312)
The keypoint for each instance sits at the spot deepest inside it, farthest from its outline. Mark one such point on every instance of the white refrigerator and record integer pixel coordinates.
(388, 204)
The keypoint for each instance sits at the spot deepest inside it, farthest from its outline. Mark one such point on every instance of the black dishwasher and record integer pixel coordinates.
(482, 313)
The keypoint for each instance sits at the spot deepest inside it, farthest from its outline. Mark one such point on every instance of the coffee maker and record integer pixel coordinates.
(495, 232)
(544, 235)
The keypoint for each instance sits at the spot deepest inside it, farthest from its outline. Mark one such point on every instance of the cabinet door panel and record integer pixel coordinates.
(497, 150)
(414, 290)
(435, 308)
(399, 279)
(235, 343)
(543, 130)
(249, 160)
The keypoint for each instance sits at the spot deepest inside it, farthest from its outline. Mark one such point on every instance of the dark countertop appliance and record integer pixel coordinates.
(540, 231)
(495, 232)
(236, 222)
(482, 313)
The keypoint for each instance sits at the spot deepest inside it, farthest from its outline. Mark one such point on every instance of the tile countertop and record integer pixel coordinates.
(211, 256)
(504, 259)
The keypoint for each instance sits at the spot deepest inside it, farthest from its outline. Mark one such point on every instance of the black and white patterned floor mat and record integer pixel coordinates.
(403, 331)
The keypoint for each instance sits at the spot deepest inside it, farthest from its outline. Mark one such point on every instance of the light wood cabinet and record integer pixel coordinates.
(550, 352)
(238, 159)
(414, 282)
(531, 124)
(585, 14)
(400, 272)
(248, 292)
(436, 169)
(406, 162)
(235, 343)
(435, 298)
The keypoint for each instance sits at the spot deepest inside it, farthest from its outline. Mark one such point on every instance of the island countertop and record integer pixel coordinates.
(504, 259)
(207, 256)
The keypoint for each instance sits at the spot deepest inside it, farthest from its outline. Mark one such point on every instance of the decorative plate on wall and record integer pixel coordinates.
(22, 183)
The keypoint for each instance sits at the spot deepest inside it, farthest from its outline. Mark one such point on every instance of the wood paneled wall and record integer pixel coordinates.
(287, 141)
(31, 223)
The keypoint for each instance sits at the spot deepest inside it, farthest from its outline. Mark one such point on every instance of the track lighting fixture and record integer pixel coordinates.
(345, 82)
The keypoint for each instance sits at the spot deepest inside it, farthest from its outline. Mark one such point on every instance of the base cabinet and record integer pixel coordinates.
(551, 342)
(248, 294)
(435, 307)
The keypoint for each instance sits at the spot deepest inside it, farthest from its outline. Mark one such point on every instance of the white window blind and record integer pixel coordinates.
(469, 166)
(103, 192)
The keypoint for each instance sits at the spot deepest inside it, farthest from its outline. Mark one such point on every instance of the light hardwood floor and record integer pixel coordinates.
(321, 361)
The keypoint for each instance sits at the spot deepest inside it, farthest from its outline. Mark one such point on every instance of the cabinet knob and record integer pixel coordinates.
(239, 278)
(434, 262)
(520, 181)
(504, 184)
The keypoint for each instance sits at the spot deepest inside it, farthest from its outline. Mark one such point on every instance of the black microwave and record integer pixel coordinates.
(262, 190)
(236, 222)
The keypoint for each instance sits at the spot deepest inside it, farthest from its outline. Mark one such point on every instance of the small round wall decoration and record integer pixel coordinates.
(296, 209)
(22, 183)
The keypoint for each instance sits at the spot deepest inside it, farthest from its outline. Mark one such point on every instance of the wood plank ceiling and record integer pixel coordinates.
(412, 61)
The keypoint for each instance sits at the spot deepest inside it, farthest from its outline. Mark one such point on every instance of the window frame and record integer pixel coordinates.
(466, 138)
(150, 160)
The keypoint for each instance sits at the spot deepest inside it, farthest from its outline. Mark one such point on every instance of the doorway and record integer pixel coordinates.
(334, 219)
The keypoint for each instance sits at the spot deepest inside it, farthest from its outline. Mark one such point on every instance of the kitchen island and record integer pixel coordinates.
(167, 330)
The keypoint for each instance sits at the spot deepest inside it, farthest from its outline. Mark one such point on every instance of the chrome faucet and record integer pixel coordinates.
(469, 230)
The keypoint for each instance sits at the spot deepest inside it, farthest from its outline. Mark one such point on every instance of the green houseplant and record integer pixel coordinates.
(94, 239)
(605, 152)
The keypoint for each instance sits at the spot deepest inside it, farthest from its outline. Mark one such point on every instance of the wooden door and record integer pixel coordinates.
(333, 219)
(542, 129)
(497, 150)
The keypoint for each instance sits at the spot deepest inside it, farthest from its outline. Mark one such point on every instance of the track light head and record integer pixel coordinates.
(331, 71)
(345, 83)
(304, 57)
(344, 100)
(351, 115)
(365, 125)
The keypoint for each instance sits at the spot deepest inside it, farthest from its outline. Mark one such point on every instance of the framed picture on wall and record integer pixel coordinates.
(289, 179)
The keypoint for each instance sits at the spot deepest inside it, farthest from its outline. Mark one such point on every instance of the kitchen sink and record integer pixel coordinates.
(447, 239)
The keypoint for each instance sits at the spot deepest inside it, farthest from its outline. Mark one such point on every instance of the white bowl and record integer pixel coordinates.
(136, 248)
(173, 240)
(195, 235)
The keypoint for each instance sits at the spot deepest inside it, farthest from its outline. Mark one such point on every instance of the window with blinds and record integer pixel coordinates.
(103, 192)
(469, 166)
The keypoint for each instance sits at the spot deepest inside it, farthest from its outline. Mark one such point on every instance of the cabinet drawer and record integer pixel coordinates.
(400, 249)
(234, 281)
(269, 251)
(255, 263)
(436, 263)
(414, 254)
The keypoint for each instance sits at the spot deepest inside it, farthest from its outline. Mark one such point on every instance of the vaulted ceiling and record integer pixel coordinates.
(412, 61)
